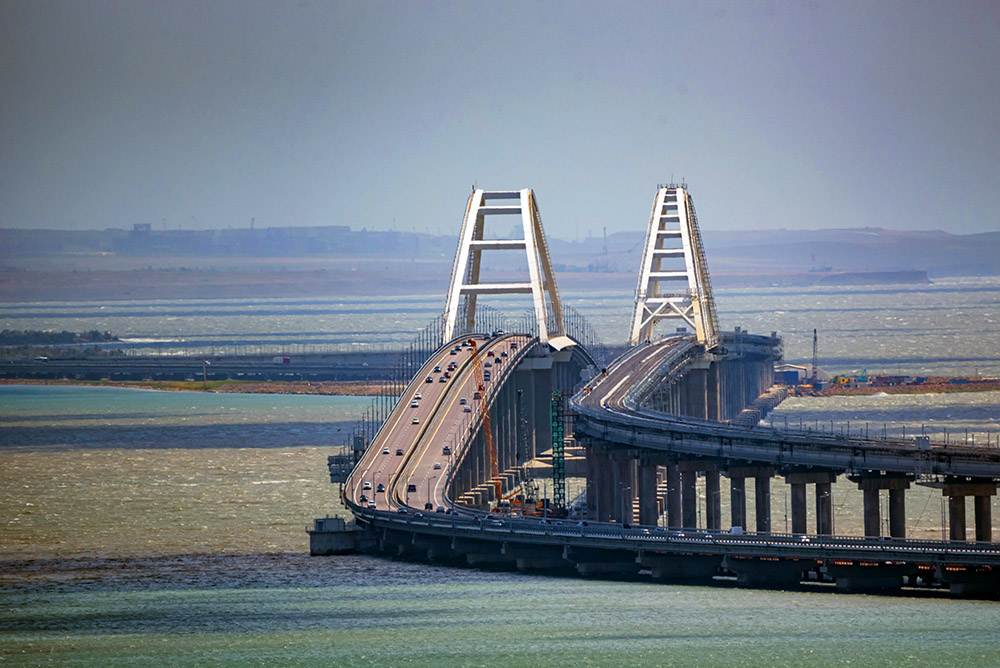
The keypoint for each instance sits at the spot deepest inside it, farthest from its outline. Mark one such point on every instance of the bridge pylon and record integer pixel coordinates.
(460, 310)
(673, 277)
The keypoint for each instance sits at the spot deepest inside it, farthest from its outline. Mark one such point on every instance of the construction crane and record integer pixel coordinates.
(815, 356)
(484, 412)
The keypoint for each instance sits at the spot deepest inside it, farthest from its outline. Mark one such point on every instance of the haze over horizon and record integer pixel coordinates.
(382, 115)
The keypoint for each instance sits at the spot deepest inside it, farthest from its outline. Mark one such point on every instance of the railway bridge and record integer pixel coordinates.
(448, 476)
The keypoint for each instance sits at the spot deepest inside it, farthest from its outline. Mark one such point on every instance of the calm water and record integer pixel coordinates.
(148, 528)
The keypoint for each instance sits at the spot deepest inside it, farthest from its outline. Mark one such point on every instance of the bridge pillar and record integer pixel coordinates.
(543, 405)
(956, 490)
(647, 492)
(824, 508)
(897, 484)
(798, 507)
(984, 518)
(623, 508)
(956, 517)
(674, 517)
(824, 500)
(762, 502)
(873, 517)
(738, 502)
(712, 392)
(603, 484)
(689, 499)
(696, 380)
(713, 501)
(897, 513)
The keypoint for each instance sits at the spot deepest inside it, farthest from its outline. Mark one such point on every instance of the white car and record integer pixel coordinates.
(366, 485)
(436, 466)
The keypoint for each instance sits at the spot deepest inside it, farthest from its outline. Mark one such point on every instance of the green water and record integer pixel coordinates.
(141, 528)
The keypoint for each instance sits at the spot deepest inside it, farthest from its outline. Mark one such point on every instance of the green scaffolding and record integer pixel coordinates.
(557, 418)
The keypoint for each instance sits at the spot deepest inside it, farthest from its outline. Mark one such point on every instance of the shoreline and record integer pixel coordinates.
(346, 388)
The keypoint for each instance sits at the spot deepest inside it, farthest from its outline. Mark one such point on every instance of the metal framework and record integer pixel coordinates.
(460, 310)
(557, 418)
(673, 278)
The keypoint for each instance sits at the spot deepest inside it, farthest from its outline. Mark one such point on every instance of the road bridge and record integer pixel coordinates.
(440, 477)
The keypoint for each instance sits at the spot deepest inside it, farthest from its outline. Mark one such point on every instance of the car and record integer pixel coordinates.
(437, 369)
(466, 409)
(486, 376)
(418, 514)
(804, 539)
(415, 420)
(476, 395)
(453, 352)
(399, 452)
(372, 505)
(490, 354)
(436, 466)
(418, 396)
(363, 499)
(385, 451)
(442, 379)
(498, 360)
(488, 364)
(463, 401)
(401, 511)
(447, 374)
(513, 346)
(380, 488)
(428, 380)
(503, 353)
(411, 487)
(366, 485)
(428, 506)
(446, 450)
(440, 509)
(414, 404)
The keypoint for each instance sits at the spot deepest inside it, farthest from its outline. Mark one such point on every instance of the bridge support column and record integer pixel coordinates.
(713, 501)
(674, 517)
(956, 517)
(738, 502)
(591, 481)
(689, 499)
(798, 507)
(648, 511)
(762, 502)
(697, 401)
(712, 391)
(984, 518)
(873, 516)
(897, 484)
(604, 485)
(824, 508)
(982, 491)
(897, 513)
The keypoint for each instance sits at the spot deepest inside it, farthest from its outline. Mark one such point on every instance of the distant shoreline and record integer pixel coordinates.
(348, 388)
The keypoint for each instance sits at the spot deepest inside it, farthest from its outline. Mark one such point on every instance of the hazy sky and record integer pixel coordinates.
(777, 114)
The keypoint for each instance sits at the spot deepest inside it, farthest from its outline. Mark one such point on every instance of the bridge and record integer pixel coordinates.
(449, 474)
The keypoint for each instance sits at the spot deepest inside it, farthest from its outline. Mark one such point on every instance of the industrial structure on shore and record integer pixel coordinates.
(443, 478)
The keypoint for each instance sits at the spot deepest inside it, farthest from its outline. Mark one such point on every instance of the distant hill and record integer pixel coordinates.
(308, 261)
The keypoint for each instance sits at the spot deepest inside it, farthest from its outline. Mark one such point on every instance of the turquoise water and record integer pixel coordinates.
(355, 611)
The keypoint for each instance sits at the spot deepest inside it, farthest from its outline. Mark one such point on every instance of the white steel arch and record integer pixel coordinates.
(673, 277)
(460, 310)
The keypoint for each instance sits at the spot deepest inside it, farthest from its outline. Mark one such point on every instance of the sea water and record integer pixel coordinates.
(157, 528)
(137, 551)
